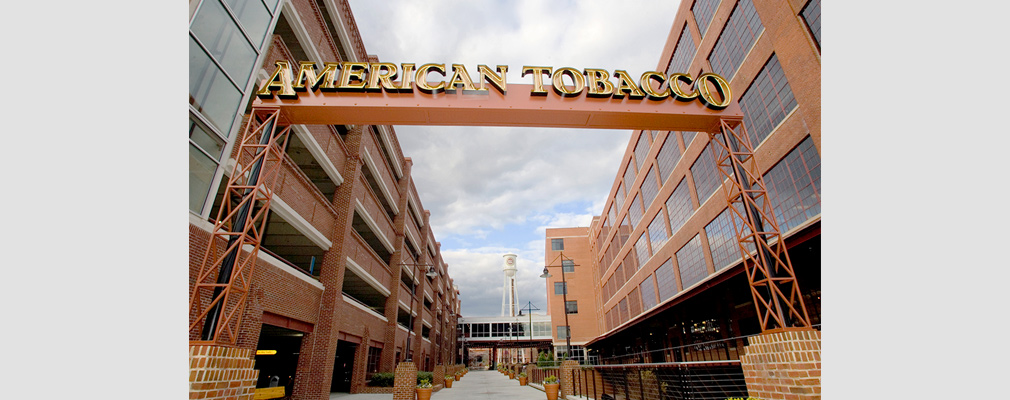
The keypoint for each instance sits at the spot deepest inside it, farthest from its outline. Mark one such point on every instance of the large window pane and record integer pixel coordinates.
(683, 54)
(206, 140)
(668, 156)
(254, 16)
(767, 102)
(706, 178)
(736, 39)
(222, 38)
(665, 280)
(812, 16)
(201, 173)
(210, 92)
(648, 293)
(691, 259)
(794, 186)
(679, 206)
(703, 11)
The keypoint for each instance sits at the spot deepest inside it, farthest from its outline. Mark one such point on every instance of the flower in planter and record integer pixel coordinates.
(424, 384)
(550, 379)
(449, 377)
(522, 374)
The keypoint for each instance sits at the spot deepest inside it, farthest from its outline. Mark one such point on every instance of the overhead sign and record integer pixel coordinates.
(710, 89)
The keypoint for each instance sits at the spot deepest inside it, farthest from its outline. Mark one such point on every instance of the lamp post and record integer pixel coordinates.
(431, 273)
(529, 310)
(564, 296)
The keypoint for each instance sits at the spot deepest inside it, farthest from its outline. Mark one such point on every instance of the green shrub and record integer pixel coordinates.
(421, 375)
(381, 379)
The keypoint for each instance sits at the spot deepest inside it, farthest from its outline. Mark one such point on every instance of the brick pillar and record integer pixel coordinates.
(388, 358)
(360, 364)
(404, 381)
(438, 375)
(568, 368)
(218, 372)
(783, 365)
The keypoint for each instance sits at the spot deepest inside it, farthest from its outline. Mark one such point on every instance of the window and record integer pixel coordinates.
(691, 260)
(649, 188)
(679, 206)
(706, 179)
(683, 54)
(622, 307)
(688, 137)
(201, 175)
(629, 176)
(635, 211)
(374, 355)
(642, 248)
(648, 293)
(619, 197)
(571, 307)
(722, 239)
(641, 149)
(568, 265)
(703, 11)
(668, 157)
(740, 33)
(766, 102)
(631, 263)
(812, 16)
(657, 232)
(563, 332)
(665, 280)
(557, 244)
(794, 186)
(560, 288)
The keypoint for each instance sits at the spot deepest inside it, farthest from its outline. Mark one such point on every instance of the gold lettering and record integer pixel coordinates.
(626, 85)
(538, 78)
(646, 84)
(674, 85)
(307, 74)
(382, 73)
(422, 78)
(559, 85)
(348, 71)
(408, 76)
(595, 78)
(460, 77)
(280, 80)
(498, 81)
(721, 86)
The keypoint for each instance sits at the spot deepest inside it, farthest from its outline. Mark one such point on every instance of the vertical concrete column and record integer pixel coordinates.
(319, 373)
(783, 365)
(404, 381)
(567, 373)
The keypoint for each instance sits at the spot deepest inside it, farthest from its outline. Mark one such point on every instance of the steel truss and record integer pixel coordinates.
(770, 273)
(222, 287)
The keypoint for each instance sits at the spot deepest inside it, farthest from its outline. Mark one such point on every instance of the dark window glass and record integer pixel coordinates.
(706, 178)
(217, 31)
(668, 156)
(812, 16)
(642, 248)
(691, 260)
(563, 332)
(794, 186)
(201, 173)
(559, 288)
(679, 206)
(254, 16)
(619, 197)
(641, 149)
(629, 177)
(767, 102)
(623, 232)
(722, 239)
(374, 355)
(632, 263)
(207, 141)
(618, 277)
(622, 306)
(635, 211)
(558, 244)
(683, 54)
(742, 29)
(572, 307)
(648, 293)
(665, 280)
(634, 302)
(650, 188)
(657, 232)
(703, 11)
(568, 265)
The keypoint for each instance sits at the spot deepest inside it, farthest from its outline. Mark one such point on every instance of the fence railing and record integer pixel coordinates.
(660, 381)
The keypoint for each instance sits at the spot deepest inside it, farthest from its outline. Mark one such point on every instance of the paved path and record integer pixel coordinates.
(476, 385)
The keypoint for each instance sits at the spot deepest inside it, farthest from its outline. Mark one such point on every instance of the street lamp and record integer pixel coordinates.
(431, 273)
(564, 295)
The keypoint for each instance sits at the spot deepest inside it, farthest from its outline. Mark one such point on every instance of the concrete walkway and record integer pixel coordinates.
(476, 385)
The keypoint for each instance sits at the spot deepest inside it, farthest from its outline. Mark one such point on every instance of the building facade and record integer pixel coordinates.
(349, 279)
(662, 264)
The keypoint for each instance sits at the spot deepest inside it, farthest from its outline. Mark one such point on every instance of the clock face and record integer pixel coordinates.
(509, 261)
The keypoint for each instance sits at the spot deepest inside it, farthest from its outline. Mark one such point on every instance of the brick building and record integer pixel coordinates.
(347, 238)
(660, 276)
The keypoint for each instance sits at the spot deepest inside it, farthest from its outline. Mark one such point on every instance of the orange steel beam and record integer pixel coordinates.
(770, 273)
(518, 108)
(220, 299)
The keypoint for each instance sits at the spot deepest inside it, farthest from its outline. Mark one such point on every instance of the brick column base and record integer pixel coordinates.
(438, 375)
(568, 368)
(783, 365)
(218, 372)
(405, 381)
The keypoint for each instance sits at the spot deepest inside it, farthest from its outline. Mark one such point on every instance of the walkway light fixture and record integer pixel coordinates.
(564, 296)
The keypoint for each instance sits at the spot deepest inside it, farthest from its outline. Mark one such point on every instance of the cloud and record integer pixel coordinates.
(493, 190)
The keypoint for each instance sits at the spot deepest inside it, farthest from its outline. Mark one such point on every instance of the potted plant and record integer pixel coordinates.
(512, 373)
(448, 381)
(424, 390)
(522, 379)
(551, 385)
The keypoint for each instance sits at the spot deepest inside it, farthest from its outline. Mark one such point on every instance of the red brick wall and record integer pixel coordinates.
(783, 365)
(217, 372)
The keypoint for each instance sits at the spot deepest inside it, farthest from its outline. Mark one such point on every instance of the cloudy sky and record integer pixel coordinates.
(491, 190)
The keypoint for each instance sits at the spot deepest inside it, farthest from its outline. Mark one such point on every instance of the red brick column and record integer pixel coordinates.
(568, 368)
(360, 364)
(404, 381)
(783, 365)
(439, 374)
(218, 372)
